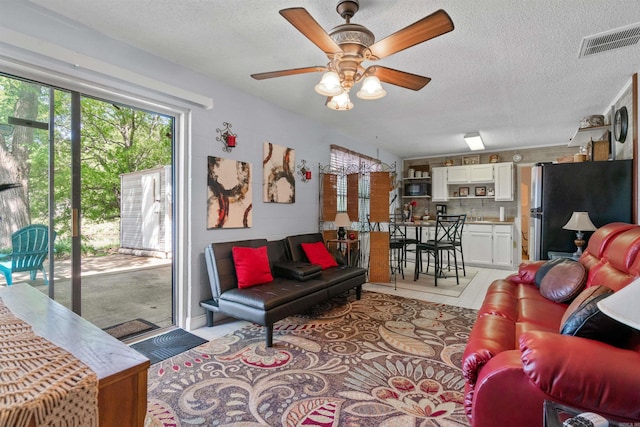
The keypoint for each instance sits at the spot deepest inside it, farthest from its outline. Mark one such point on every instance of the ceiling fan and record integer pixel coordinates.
(349, 44)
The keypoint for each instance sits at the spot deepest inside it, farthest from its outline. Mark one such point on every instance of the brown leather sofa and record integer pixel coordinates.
(516, 358)
(284, 296)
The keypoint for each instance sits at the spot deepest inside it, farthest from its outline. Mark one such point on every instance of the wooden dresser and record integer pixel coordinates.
(121, 371)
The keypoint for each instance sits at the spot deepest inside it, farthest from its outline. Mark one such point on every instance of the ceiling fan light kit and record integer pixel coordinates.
(329, 84)
(371, 89)
(341, 102)
(348, 45)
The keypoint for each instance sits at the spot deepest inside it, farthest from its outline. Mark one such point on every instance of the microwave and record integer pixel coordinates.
(416, 189)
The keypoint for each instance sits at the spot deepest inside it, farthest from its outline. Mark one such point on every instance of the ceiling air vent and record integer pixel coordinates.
(609, 40)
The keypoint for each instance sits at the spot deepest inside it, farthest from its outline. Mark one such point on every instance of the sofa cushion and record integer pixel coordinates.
(563, 281)
(580, 300)
(317, 253)
(587, 321)
(252, 266)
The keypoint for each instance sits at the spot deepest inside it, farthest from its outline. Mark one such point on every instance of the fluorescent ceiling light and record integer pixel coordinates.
(474, 141)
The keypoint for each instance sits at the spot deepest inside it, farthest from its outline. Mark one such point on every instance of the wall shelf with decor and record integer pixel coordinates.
(594, 133)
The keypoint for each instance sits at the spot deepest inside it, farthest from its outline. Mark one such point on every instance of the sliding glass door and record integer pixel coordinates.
(98, 175)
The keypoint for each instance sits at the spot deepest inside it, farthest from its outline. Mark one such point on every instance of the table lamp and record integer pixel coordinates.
(579, 222)
(623, 305)
(342, 220)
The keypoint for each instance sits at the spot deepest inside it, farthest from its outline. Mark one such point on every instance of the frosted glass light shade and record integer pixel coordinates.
(329, 84)
(623, 305)
(371, 89)
(341, 102)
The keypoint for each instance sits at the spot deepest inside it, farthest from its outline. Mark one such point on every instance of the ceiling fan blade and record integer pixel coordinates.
(431, 26)
(291, 72)
(304, 22)
(399, 78)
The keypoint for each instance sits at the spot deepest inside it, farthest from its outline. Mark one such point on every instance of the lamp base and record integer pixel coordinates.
(341, 233)
(579, 242)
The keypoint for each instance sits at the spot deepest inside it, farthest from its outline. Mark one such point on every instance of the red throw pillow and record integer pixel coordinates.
(317, 253)
(252, 266)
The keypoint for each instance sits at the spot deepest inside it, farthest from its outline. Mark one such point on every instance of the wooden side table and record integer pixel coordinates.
(121, 371)
(349, 246)
(556, 254)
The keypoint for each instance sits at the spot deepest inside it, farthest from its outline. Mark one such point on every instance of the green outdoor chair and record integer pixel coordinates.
(30, 247)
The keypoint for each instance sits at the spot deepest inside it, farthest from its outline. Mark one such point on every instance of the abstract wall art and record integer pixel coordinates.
(229, 193)
(278, 165)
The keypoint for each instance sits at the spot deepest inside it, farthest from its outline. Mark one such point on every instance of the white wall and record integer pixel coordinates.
(254, 121)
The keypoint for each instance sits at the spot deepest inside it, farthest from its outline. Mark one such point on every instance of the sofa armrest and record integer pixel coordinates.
(298, 270)
(526, 272)
(490, 336)
(584, 372)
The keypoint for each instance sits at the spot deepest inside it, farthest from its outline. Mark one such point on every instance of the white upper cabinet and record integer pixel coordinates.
(504, 181)
(481, 173)
(470, 174)
(458, 174)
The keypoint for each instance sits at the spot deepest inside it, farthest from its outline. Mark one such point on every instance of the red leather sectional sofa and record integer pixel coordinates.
(516, 358)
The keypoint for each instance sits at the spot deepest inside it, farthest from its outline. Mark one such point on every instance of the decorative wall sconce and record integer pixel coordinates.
(226, 137)
(304, 171)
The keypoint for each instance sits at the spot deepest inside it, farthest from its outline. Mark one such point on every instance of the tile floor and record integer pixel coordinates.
(471, 297)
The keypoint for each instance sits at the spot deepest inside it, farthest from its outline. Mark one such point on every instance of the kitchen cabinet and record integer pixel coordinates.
(470, 174)
(502, 250)
(488, 245)
(439, 189)
(503, 173)
(445, 182)
(477, 245)
(458, 174)
(481, 173)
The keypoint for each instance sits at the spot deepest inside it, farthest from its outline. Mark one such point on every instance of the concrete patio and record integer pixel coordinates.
(115, 288)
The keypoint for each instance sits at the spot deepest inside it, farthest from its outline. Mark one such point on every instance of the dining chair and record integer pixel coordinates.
(457, 242)
(445, 236)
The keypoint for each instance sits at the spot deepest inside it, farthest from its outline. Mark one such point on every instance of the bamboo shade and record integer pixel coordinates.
(379, 208)
(379, 257)
(352, 196)
(329, 196)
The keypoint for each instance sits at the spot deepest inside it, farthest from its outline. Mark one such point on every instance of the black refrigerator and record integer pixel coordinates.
(603, 189)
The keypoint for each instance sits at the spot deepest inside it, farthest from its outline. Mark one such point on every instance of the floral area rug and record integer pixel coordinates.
(381, 361)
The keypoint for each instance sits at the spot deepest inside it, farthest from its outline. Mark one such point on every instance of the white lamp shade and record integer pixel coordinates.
(580, 221)
(329, 84)
(341, 102)
(342, 220)
(474, 141)
(623, 305)
(371, 89)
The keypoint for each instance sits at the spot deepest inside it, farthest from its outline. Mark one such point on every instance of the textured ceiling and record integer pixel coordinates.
(509, 69)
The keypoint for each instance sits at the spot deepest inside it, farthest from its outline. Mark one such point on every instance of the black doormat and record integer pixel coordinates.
(167, 345)
(125, 330)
